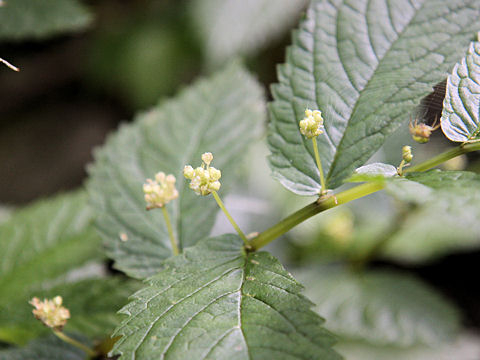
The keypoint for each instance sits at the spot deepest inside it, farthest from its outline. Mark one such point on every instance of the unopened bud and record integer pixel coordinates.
(312, 125)
(407, 153)
(203, 180)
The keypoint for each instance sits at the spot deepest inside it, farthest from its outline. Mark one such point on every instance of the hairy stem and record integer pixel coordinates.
(75, 343)
(447, 155)
(229, 217)
(173, 241)
(319, 165)
(322, 204)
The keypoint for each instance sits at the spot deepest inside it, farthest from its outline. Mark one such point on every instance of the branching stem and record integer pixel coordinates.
(447, 155)
(229, 217)
(173, 241)
(322, 204)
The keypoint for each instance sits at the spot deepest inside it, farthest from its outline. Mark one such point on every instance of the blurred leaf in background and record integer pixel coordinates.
(38, 19)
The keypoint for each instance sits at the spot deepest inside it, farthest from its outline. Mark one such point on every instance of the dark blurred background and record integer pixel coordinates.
(74, 89)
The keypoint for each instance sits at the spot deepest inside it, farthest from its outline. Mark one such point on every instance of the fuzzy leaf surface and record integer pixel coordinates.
(231, 27)
(216, 302)
(93, 304)
(41, 242)
(380, 307)
(37, 19)
(366, 65)
(460, 116)
(222, 115)
(49, 348)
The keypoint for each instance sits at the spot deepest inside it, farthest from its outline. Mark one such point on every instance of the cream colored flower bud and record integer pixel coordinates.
(161, 191)
(51, 312)
(203, 180)
(214, 174)
(207, 158)
(188, 172)
(312, 125)
(407, 153)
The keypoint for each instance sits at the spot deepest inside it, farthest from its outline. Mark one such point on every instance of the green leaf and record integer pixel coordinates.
(216, 302)
(49, 348)
(366, 66)
(232, 27)
(460, 116)
(42, 242)
(37, 19)
(222, 115)
(380, 307)
(92, 304)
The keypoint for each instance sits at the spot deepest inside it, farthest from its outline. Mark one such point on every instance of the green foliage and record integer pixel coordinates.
(444, 219)
(49, 348)
(380, 307)
(37, 19)
(222, 115)
(460, 118)
(216, 302)
(231, 27)
(364, 74)
(93, 304)
(38, 245)
(43, 241)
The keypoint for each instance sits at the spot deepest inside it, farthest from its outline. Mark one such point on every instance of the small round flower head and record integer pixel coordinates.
(160, 191)
(51, 312)
(421, 132)
(312, 125)
(407, 153)
(203, 179)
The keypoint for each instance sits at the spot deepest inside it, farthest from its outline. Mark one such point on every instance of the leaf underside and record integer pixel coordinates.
(366, 65)
(222, 115)
(380, 308)
(216, 302)
(460, 116)
(37, 19)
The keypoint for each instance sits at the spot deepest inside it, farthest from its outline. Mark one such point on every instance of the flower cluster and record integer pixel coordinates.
(203, 179)
(421, 132)
(312, 125)
(161, 191)
(51, 312)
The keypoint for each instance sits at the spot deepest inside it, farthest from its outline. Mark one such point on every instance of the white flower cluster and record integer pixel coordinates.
(51, 312)
(161, 191)
(312, 125)
(203, 179)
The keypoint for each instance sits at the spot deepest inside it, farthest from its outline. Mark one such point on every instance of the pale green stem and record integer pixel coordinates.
(322, 204)
(319, 165)
(227, 214)
(400, 168)
(445, 156)
(173, 241)
(75, 343)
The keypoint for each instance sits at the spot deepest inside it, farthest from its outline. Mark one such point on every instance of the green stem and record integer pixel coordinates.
(322, 204)
(75, 343)
(447, 155)
(319, 165)
(229, 217)
(173, 241)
